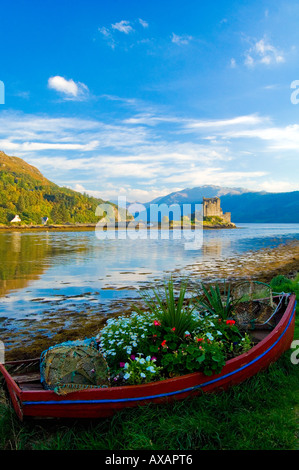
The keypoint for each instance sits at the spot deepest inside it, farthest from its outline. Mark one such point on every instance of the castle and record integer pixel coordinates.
(211, 208)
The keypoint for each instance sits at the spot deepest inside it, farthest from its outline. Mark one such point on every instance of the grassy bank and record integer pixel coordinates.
(261, 413)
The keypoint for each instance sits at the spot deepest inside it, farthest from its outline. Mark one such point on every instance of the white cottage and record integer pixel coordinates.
(16, 219)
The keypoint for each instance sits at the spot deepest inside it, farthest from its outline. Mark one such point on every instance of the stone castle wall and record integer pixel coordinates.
(211, 208)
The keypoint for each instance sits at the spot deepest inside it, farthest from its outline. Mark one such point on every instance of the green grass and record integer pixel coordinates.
(260, 414)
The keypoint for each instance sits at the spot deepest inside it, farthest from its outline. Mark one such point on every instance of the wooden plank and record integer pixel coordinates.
(31, 386)
(25, 378)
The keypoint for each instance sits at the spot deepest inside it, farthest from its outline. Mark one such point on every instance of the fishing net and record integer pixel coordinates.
(255, 307)
(73, 365)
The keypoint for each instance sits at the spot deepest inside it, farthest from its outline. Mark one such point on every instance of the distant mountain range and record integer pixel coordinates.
(244, 205)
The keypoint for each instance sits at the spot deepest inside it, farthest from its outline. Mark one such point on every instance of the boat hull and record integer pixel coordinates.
(97, 403)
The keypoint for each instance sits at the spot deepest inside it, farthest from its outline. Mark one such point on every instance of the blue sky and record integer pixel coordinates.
(142, 98)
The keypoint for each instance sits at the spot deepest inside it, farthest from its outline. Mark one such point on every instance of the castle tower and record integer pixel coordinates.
(211, 208)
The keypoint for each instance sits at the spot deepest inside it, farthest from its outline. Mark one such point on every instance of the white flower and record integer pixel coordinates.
(142, 374)
(142, 361)
(127, 375)
(148, 358)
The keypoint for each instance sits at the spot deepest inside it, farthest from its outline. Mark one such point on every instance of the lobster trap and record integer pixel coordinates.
(73, 365)
(256, 305)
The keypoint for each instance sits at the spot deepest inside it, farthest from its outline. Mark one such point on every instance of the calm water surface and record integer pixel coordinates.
(48, 270)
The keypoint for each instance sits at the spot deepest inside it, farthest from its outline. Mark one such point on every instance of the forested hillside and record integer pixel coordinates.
(26, 192)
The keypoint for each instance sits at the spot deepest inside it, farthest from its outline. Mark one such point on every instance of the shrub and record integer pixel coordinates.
(212, 301)
(171, 312)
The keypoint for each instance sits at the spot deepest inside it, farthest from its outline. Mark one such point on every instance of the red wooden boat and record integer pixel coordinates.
(29, 399)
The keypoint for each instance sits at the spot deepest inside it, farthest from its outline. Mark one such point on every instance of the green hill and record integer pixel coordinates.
(26, 192)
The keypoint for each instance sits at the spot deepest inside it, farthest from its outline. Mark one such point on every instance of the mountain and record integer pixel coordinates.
(263, 207)
(195, 195)
(244, 205)
(26, 192)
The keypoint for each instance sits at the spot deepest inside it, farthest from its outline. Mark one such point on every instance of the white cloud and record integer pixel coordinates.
(123, 26)
(233, 63)
(248, 120)
(68, 88)
(279, 138)
(132, 194)
(181, 40)
(249, 61)
(262, 52)
(107, 36)
(277, 186)
(151, 152)
(105, 31)
(143, 23)
(35, 146)
(113, 39)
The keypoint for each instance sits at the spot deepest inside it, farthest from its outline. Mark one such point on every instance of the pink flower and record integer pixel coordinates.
(121, 364)
(132, 357)
(153, 358)
(157, 323)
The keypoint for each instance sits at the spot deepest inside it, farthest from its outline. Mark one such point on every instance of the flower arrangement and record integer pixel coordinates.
(175, 336)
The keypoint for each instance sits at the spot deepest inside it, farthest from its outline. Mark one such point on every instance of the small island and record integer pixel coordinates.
(213, 216)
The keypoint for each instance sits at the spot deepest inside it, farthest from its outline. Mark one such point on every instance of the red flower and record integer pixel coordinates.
(199, 339)
(230, 322)
(157, 323)
(173, 329)
(163, 344)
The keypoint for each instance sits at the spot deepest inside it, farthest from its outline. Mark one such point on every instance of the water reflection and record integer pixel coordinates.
(49, 270)
(25, 257)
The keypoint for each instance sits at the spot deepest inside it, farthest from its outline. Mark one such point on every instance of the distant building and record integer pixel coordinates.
(15, 219)
(211, 208)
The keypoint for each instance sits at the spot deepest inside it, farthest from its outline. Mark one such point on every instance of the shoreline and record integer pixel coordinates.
(90, 227)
